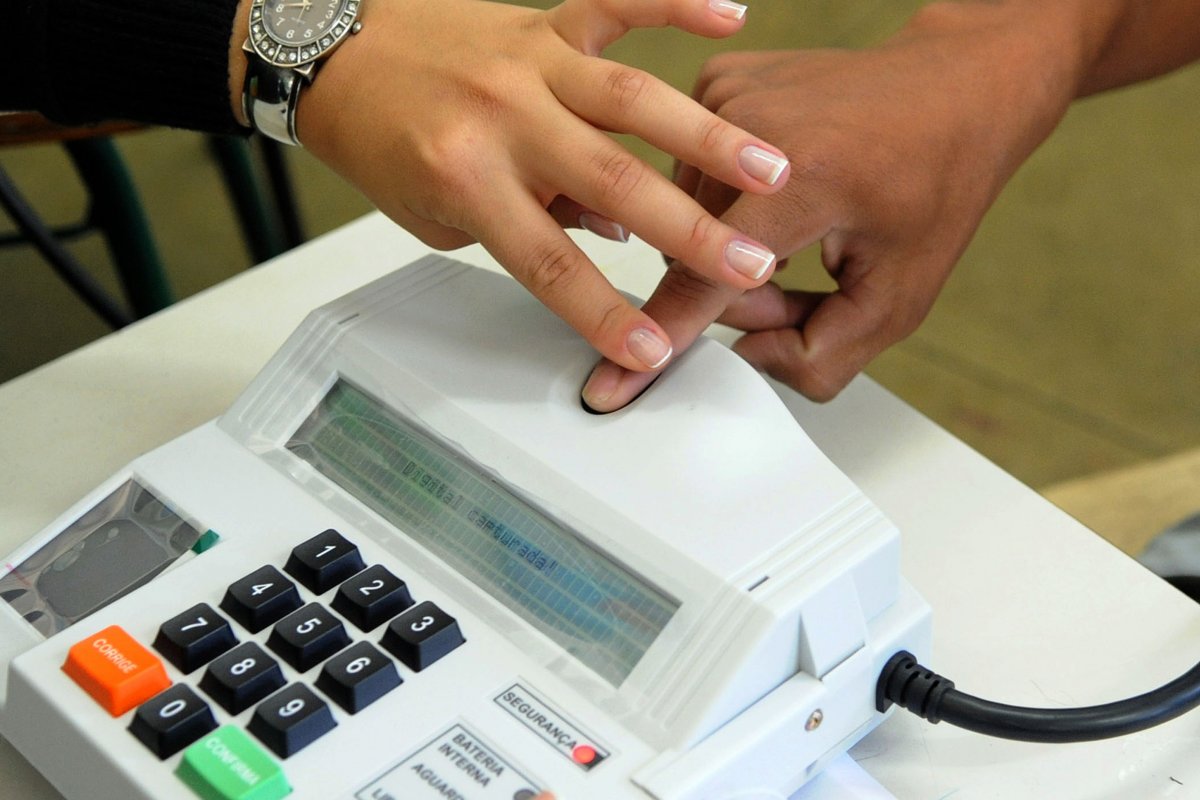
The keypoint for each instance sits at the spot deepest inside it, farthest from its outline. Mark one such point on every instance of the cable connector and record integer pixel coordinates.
(912, 686)
(928, 695)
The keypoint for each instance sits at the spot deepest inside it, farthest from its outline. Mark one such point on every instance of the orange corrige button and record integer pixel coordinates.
(117, 671)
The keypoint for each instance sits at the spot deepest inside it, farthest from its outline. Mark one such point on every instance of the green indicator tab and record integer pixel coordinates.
(206, 541)
(228, 765)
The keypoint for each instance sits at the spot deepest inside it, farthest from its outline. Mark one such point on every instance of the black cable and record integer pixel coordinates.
(63, 263)
(930, 696)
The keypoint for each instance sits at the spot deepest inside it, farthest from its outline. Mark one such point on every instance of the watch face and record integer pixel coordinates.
(295, 32)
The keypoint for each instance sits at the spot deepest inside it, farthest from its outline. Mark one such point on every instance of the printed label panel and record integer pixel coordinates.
(456, 765)
(552, 727)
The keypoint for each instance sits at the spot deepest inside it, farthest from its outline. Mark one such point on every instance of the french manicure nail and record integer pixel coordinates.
(648, 347)
(761, 164)
(727, 9)
(601, 385)
(749, 259)
(603, 226)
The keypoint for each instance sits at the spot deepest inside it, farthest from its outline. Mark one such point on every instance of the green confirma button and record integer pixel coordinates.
(228, 765)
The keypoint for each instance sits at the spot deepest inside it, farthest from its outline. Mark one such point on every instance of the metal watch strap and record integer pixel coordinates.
(269, 99)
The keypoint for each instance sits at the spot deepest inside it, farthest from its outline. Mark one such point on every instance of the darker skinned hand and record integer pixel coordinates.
(896, 153)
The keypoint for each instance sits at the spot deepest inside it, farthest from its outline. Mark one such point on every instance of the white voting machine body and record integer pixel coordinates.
(408, 564)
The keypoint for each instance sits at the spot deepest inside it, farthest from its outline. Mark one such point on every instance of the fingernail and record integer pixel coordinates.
(648, 347)
(749, 259)
(762, 164)
(603, 226)
(601, 385)
(727, 9)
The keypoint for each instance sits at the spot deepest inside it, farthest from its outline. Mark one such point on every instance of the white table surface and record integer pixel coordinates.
(1029, 607)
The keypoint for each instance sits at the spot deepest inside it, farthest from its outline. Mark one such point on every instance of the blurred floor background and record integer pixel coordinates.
(1066, 344)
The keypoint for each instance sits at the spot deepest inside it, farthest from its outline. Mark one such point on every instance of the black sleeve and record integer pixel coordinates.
(158, 61)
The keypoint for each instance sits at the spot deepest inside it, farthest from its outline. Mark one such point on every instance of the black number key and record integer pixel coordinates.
(291, 720)
(261, 598)
(242, 677)
(324, 561)
(171, 720)
(422, 635)
(357, 677)
(194, 638)
(372, 597)
(308, 636)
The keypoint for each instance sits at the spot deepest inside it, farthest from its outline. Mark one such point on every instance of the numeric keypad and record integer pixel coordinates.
(289, 714)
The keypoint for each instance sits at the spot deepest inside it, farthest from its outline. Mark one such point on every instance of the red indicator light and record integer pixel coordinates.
(584, 754)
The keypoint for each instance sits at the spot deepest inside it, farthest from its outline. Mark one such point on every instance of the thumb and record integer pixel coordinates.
(685, 303)
(826, 339)
(691, 303)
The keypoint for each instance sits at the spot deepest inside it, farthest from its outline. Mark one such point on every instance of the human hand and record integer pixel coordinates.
(896, 154)
(465, 120)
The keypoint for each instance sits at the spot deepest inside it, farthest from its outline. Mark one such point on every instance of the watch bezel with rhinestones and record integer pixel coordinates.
(300, 56)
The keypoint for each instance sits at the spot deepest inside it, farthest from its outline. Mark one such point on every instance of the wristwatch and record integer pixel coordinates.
(287, 41)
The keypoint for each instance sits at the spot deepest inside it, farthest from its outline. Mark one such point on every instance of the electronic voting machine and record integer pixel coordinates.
(407, 564)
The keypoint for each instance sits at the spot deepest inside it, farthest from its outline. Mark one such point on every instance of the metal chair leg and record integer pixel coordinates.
(270, 225)
(259, 226)
(116, 210)
(37, 233)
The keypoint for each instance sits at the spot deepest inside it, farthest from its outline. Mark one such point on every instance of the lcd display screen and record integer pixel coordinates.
(595, 608)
